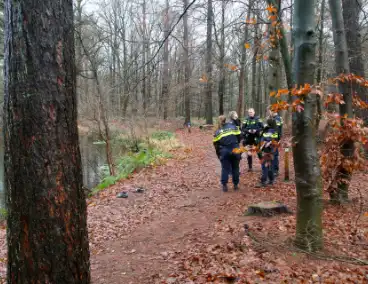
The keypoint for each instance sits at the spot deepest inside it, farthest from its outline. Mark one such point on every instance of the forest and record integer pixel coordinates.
(110, 111)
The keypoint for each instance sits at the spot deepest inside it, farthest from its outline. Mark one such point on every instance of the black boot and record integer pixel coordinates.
(236, 187)
(224, 188)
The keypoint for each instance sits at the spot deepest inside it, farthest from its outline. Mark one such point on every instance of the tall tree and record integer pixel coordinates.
(274, 57)
(243, 78)
(47, 222)
(186, 64)
(306, 160)
(222, 82)
(208, 106)
(351, 14)
(255, 98)
(340, 195)
(320, 61)
(320, 42)
(165, 72)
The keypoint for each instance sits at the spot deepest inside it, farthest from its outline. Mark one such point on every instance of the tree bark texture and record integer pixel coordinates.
(47, 218)
(306, 160)
(343, 177)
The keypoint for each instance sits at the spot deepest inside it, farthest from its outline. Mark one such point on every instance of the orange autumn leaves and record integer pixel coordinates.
(336, 98)
(296, 105)
(343, 130)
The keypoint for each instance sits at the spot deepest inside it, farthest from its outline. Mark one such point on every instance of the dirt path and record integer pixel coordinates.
(192, 204)
(183, 229)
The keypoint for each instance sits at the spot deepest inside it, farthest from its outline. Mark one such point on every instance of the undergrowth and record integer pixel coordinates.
(140, 153)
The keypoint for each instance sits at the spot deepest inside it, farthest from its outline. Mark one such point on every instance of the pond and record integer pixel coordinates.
(93, 157)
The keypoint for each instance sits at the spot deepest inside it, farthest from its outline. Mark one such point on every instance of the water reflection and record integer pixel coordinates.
(93, 157)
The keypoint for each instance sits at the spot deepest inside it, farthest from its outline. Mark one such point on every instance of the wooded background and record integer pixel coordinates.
(193, 58)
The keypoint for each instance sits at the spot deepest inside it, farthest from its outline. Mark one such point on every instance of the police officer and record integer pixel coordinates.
(226, 139)
(251, 130)
(279, 124)
(235, 118)
(268, 146)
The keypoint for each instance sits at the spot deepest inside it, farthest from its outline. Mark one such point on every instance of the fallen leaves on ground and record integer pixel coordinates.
(183, 229)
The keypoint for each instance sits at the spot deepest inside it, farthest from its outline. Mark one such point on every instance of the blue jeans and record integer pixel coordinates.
(229, 165)
(275, 161)
(267, 172)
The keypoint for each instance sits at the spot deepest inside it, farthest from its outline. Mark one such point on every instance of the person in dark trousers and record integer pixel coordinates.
(226, 139)
(279, 124)
(268, 146)
(251, 131)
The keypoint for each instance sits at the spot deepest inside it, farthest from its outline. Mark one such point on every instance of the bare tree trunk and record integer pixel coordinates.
(255, 98)
(320, 63)
(208, 106)
(165, 72)
(274, 60)
(144, 53)
(222, 82)
(78, 49)
(186, 65)
(125, 71)
(343, 177)
(259, 90)
(47, 234)
(306, 160)
(351, 14)
(320, 43)
(243, 60)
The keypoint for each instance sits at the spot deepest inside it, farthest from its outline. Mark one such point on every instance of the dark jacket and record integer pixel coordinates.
(279, 123)
(252, 123)
(269, 135)
(236, 122)
(227, 138)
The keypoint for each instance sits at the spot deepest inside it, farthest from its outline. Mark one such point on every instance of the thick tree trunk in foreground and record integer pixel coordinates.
(343, 177)
(306, 160)
(47, 230)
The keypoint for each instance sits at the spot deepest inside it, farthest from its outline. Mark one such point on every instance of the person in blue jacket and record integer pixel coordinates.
(267, 148)
(279, 124)
(226, 139)
(251, 131)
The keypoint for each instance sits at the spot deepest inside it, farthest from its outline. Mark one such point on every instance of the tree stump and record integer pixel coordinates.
(267, 209)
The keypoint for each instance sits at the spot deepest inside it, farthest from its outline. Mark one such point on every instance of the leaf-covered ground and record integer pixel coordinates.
(183, 229)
